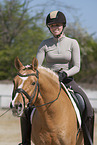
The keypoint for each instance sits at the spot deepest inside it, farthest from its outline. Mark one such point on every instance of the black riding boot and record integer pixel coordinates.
(90, 126)
(26, 128)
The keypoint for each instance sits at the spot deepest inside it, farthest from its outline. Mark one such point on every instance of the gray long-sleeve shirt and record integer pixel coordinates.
(60, 53)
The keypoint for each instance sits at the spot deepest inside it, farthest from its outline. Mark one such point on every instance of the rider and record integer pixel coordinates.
(62, 55)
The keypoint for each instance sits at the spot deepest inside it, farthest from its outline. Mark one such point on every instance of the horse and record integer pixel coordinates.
(54, 121)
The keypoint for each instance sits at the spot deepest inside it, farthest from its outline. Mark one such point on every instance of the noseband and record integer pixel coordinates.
(30, 98)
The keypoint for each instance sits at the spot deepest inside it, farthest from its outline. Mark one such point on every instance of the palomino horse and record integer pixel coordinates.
(54, 121)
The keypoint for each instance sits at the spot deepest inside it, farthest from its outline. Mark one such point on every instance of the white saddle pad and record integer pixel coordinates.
(74, 105)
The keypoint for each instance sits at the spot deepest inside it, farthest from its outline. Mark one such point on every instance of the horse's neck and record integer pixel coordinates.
(49, 87)
(49, 91)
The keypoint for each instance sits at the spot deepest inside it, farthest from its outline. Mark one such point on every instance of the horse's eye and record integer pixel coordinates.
(33, 83)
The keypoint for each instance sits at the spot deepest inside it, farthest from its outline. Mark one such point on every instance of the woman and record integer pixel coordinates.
(62, 55)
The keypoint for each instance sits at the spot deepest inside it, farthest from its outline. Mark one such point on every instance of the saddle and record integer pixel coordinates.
(77, 102)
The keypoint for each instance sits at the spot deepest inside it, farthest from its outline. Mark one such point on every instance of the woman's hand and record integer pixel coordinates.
(62, 75)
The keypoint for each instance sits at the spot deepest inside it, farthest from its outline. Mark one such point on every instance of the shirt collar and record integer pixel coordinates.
(59, 39)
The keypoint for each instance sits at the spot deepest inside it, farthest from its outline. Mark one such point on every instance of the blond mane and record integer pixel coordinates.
(51, 73)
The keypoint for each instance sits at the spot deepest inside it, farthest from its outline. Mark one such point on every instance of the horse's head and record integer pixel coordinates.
(25, 86)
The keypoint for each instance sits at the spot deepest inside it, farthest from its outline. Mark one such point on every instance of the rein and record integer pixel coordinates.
(30, 98)
(5, 112)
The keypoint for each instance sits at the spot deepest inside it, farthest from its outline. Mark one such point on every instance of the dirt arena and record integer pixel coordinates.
(10, 129)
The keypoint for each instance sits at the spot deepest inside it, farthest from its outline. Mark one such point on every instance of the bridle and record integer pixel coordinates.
(35, 92)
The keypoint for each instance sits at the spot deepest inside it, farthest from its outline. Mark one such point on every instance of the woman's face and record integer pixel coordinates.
(56, 29)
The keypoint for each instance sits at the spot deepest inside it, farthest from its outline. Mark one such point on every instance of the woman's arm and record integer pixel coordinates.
(75, 59)
(41, 53)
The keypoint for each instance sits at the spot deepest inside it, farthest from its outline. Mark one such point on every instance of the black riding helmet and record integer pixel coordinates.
(56, 17)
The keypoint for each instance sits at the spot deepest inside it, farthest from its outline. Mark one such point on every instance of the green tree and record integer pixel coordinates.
(20, 35)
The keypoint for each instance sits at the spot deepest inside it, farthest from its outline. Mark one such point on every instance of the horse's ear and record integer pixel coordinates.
(34, 64)
(18, 64)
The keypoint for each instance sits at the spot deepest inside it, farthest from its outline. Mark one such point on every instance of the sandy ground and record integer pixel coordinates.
(10, 133)
(9, 129)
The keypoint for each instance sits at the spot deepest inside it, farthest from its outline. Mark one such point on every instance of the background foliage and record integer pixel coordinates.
(21, 31)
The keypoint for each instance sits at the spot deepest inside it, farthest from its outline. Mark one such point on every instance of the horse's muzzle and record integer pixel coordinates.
(17, 109)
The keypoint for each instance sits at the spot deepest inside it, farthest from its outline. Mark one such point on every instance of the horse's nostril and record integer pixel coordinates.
(20, 105)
